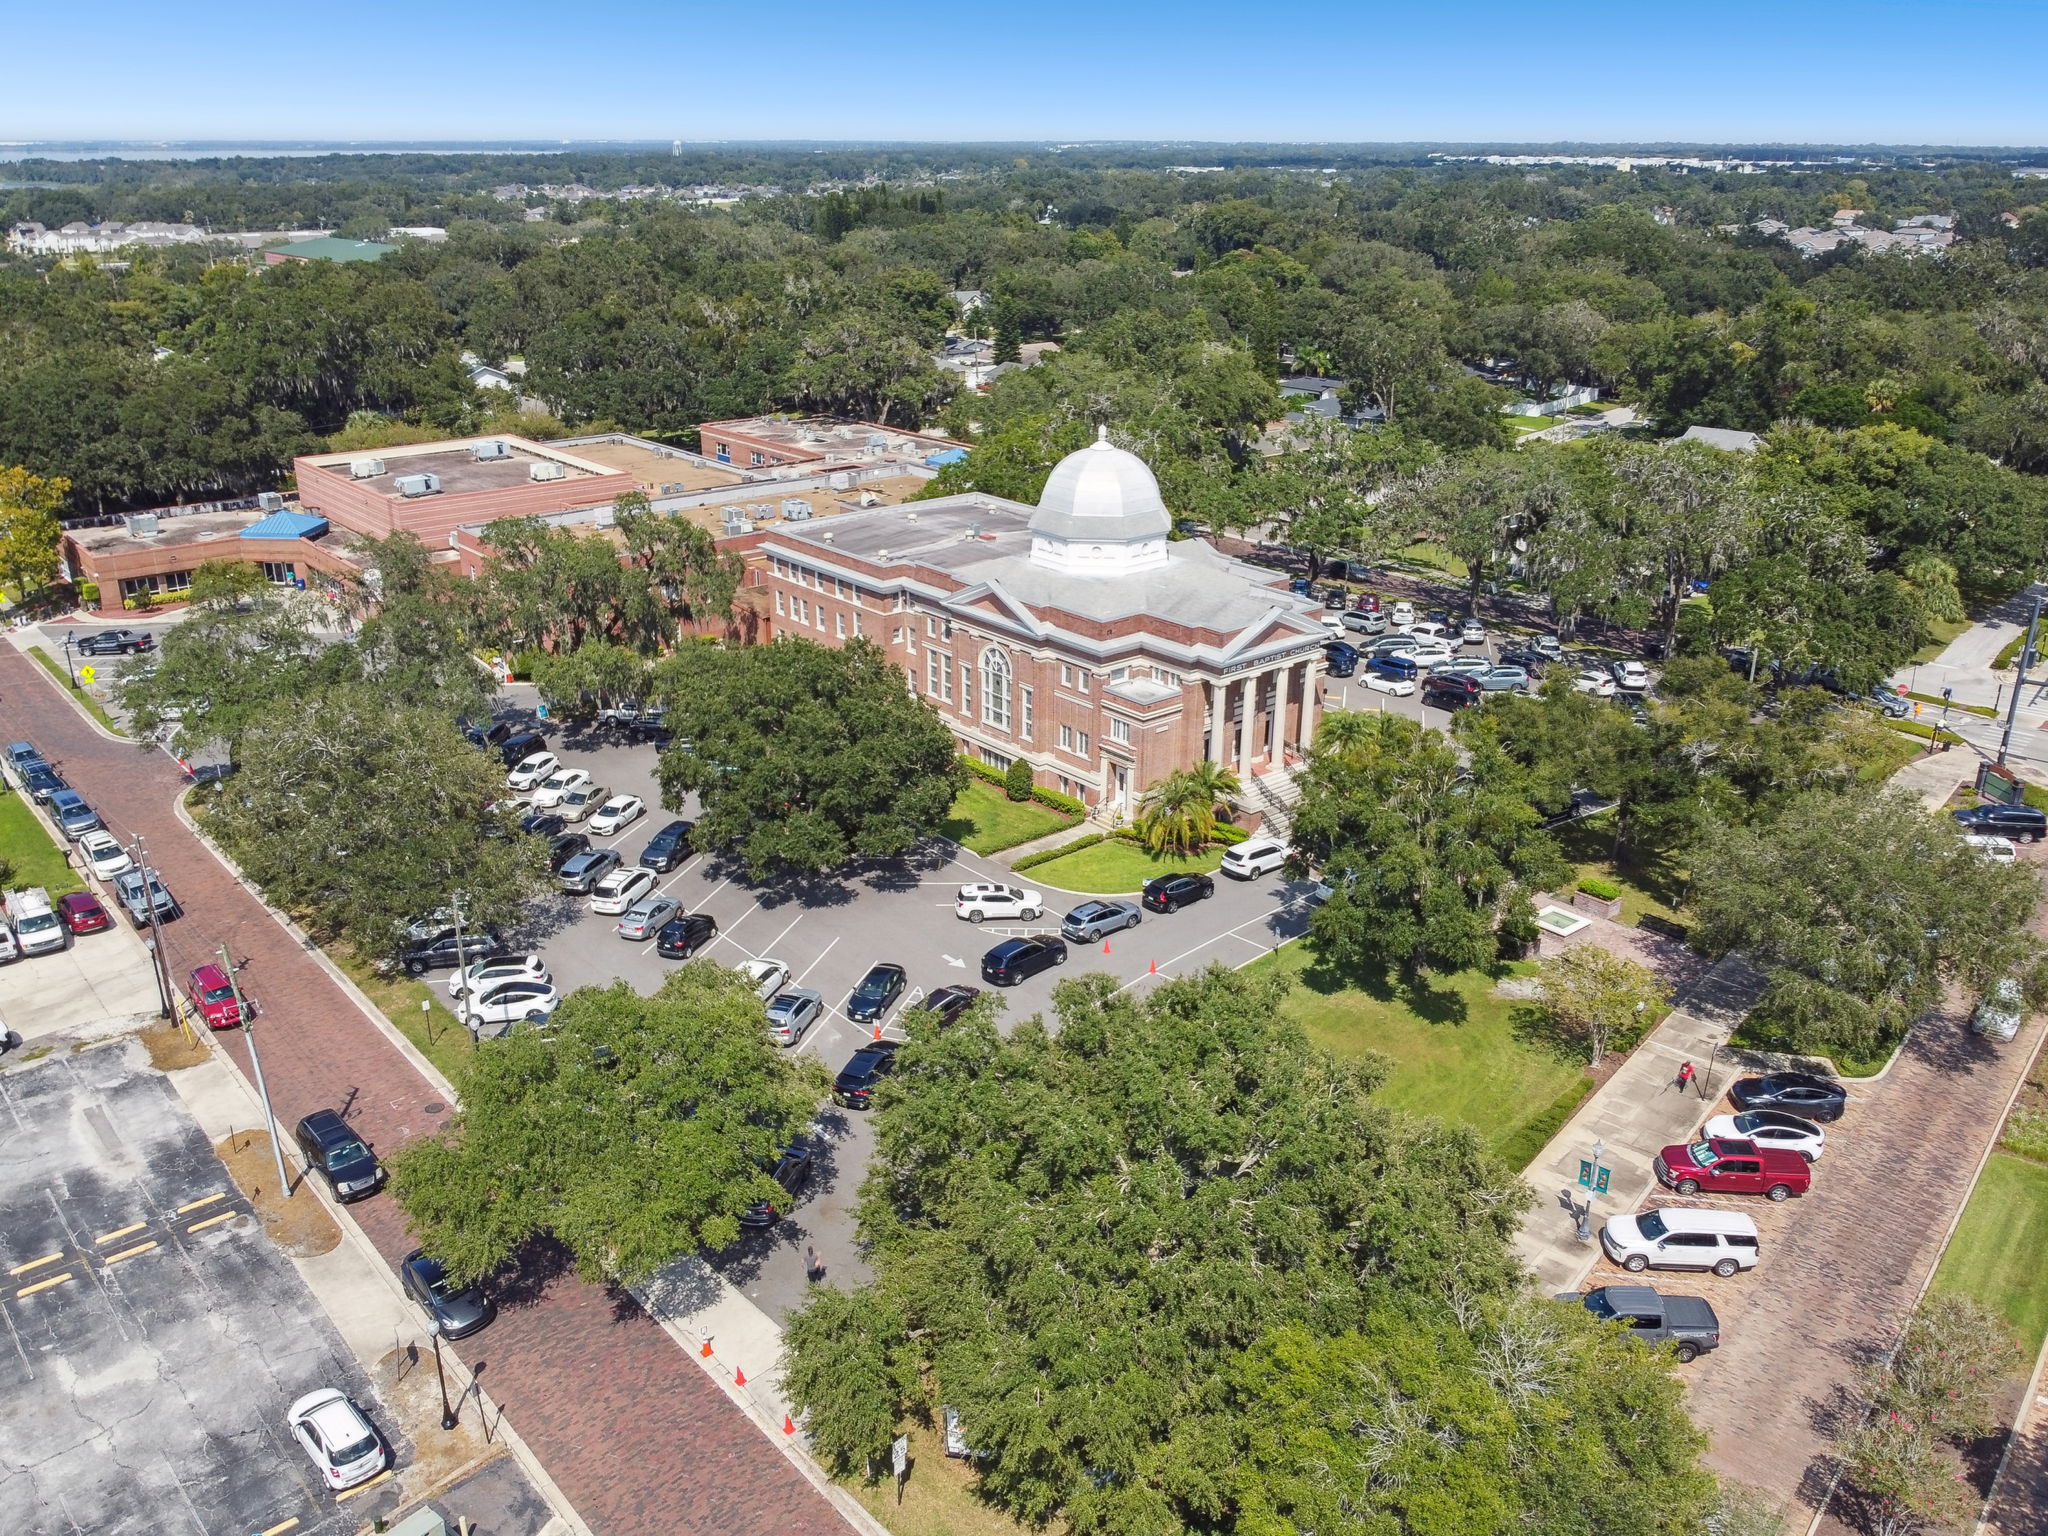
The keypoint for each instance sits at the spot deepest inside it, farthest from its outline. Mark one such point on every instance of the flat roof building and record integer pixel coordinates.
(148, 559)
(810, 443)
(431, 489)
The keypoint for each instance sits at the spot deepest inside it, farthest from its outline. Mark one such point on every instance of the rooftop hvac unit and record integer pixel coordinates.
(365, 469)
(877, 442)
(417, 485)
(736, 525)
(841, 480)
(485, 452)
(796, 509)
(547, 469)
(142, 525)
(269, 501)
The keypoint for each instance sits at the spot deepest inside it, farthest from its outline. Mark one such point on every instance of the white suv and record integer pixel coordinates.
(1254, 857)
(620, 889)
(1681, 1237)
(977, 902)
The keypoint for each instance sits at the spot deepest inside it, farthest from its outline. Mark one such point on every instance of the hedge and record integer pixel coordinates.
(1051, 799)
(1046, 856)
(1228, 835)
(982, 770)
(1600, 890)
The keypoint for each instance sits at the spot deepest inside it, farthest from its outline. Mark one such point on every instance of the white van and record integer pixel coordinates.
(1681, 1237)
(1255, 856)
(2001, 1011)
(37, 928)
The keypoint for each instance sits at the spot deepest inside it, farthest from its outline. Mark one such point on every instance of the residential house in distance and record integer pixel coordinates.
(1308, 395)
(1923, 234)
(1727, 439)
(1073, 635)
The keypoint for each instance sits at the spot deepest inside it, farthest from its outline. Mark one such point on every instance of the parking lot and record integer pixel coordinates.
(828, 932)
(155, 1336)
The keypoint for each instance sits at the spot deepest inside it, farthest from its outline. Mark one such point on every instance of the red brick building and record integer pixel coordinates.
(156, 553)
(431, 489)
(1074, 635)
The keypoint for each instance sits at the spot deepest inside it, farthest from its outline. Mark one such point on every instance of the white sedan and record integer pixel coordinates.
(1399, 687)
(1983, 844)
(559, 783)
(1771, 1128)
(767, 977)
(509, 1003)
(620, 889)
(107, 858)
(532, 770)
(494, 969)
(616, 814)
(980, 901)
(340, 1441)
(1599, 684)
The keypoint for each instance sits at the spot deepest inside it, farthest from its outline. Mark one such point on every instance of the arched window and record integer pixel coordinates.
(995, 687)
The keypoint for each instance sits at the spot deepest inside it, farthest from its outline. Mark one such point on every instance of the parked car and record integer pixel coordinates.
(1402, 614)
(792, 1011)
(213, 998)
(542, 824)
(1389, 645)
(38, 930)
(583, 801)
(518, 747)
(116, 642)
(82, 912)
(1770, 1128)
(1336, 599)
(1895, 705)
(1094, 920)
(1017, 960)
(1395, 687)
(647, 916)
(495, 968)
(2012, 821)
(854, 1087)
(875, 992)
(1474, 667)
(1253, 857)
(1680, 1237)
(73, 816)
(1396, 667)
(1429, 652)
(549, 792)
(533, 771)
(485, 737)
(1364, 621)
(1339, 659)
(40, 781)
(616, 814)
(667, 848)
(1732, 1168)
(1529, 659)
(1502, 679)
(618, 890)
(10, 951)
(1687, 1323)
(507, 1004)
(1817, 1098)
(580, 871)
(792, 1171)
(1169, 893)
(1426, 630)
(2001, 1011)
(765, 975)
(434, 944)
(20, 754)
(981, 901)
(1599, 684)
(332, 1431)
(103, 856)
(1472, 632)
(457, 1311)
(948, 1003)
(1451, 691)
(1629, 676)
(684, 934)
(334, 1151)
(1988, 845)
(145, 900)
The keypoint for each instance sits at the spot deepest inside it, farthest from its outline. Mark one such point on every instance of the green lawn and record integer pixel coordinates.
(985, 820)
(1114, 867)
(436, 1031)
(30, 855)
(1995, 1255)
(1455, 1050)
(1437, 556)
(1654, 888)
(1943, 632)
(79, 696)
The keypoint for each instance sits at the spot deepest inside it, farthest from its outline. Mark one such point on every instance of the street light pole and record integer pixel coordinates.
(284, 1183)
(448, 1419)
(140, 855)
(2012, 709)
(70, 665)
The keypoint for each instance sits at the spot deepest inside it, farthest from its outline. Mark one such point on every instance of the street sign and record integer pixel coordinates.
(899, 1458)
(1998, 784)
(87, 674)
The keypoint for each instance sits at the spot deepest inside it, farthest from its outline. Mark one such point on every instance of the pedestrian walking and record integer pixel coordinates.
(1685, 1076)
(811, 1266)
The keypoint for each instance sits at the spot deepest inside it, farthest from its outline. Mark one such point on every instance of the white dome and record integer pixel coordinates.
(1101, 493)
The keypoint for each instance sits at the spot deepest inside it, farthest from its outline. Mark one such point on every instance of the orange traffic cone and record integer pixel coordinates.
(1155, 968)
(878, 1029)
(739, 1378)
(1105, 946)
(706, 1350)
(788, 1428)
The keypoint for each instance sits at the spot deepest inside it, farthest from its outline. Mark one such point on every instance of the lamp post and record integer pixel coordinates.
(70, 665)
(448, 1419)
(242, 1012)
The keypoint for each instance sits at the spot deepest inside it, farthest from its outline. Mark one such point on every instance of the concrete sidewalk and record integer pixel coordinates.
(1636, 1113)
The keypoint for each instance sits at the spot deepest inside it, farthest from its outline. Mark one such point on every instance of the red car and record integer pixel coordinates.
(82, 913)
(1721, 1166)
(214, 998)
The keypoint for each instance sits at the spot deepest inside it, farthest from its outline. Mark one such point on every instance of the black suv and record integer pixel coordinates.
(877, 990)
(435, 947)
(2013, 821)
(564, 846)
(485, 737)
(1451, 690)
(339, 1155)
(514, 750)
(667, 848)
(1169, 893)
(543, 824)
(792, 1171)
(1014, 960)
(684, 934)
(948, 1003)
(854, 1087)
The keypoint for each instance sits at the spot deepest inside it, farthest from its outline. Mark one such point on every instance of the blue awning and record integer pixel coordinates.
(287, 525)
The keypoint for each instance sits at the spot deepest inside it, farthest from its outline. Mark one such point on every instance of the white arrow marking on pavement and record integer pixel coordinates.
(962, 964)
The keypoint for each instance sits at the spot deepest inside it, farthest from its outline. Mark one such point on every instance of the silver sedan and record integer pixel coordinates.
(644, 918)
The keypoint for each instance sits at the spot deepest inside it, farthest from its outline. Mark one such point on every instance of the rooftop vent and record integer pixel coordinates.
(485, 452)
(142, 525)
(365, 469)
(269, 501)
(547, 469)
(417, 485)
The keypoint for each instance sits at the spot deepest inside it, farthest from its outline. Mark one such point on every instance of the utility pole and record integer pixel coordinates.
(462, 969)
(156, 928)
(284, 1182)
(2012, 710)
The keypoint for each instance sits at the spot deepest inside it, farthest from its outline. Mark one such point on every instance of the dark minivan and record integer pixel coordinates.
(792, 1171)
(1014, 960)
(339, 1155)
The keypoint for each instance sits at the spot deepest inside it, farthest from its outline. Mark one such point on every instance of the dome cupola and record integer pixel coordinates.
(1100, 514)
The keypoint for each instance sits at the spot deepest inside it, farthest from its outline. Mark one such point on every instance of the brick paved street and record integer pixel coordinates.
(633, 1432)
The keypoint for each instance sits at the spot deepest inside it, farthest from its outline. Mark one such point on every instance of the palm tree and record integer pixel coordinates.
(1178, 814)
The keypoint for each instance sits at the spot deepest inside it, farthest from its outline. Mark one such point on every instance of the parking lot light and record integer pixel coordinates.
(448, 1417)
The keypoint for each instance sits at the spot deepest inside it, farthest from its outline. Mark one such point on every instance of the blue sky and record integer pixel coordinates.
(1960, 72)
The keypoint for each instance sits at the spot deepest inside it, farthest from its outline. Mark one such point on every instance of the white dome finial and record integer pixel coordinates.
(1102, 434)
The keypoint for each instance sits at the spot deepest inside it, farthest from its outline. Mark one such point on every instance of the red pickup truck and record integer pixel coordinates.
(1721, 1166)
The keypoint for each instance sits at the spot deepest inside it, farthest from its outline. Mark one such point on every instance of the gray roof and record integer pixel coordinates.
(1722, 437)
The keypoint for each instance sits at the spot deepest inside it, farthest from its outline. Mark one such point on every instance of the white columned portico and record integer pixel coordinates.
(1305, 732)
(1219, 722)
(1250, 695)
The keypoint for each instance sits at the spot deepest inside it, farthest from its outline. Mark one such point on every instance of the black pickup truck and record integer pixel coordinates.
(1686, 1322)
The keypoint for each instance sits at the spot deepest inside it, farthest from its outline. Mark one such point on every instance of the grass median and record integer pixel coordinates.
(1115, 866)
(1995, 1255)
(79, 696)
(32, 856)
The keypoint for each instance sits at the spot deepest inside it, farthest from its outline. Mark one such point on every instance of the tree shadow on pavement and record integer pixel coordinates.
(524, 1278)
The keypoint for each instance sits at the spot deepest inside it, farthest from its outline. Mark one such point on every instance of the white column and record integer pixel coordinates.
(1219, 723)
(1311, 694)
(1244, 725)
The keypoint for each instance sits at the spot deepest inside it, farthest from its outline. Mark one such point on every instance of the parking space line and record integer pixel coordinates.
(279, 1530)
(213, 1220)
(819, 961)
(128, 1253)
(381, 1477)
(107, 1237)
(193, 1205)
(44, 1285)
(48, 1258)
